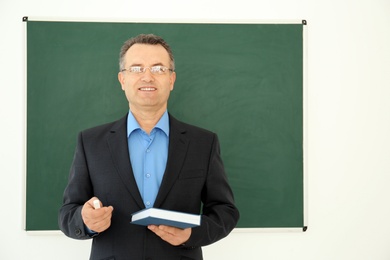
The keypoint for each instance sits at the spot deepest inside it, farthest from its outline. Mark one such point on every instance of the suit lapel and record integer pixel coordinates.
(177, 150)
(117, 143)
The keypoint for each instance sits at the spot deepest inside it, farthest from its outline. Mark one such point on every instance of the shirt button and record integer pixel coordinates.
(147, 175)
(148, 150)
(147, 203)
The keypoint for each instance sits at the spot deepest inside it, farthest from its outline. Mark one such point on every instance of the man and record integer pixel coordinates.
(147, 159)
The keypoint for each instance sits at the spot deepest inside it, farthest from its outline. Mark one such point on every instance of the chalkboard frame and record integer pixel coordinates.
(303, 222)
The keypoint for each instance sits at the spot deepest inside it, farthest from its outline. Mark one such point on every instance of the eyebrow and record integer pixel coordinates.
(140, 65)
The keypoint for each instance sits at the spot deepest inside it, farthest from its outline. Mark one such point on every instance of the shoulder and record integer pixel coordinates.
(189, 130)
(104, 129)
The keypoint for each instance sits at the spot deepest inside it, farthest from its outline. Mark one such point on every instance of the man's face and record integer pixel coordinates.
(147, 91)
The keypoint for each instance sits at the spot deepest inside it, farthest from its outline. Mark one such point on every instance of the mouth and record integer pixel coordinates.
(147, 89)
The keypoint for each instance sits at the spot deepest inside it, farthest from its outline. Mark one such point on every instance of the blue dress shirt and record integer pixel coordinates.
(148, 156)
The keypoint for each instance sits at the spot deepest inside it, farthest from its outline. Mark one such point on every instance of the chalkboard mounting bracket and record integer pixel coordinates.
(304, 22)
(304, 228)
(25, 18)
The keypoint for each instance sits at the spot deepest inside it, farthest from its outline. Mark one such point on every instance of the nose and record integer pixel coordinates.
(147, 76)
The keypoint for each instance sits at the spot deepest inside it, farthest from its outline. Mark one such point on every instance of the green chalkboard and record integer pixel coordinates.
(242, 81)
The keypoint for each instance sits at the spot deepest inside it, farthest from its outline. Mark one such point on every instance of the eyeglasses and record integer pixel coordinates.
(156, 70)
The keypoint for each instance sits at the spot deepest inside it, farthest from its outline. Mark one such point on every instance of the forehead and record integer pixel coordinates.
(146, 54)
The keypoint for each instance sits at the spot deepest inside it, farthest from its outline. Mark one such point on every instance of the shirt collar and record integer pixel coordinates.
(162, 124)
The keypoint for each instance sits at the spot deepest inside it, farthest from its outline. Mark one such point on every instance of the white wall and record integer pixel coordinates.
(348, 130)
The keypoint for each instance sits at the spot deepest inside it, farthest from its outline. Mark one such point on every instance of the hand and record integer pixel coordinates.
(172, 235)
(97, 220)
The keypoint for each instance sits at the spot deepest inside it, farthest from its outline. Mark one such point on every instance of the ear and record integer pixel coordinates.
(173, 79)
(121, 79)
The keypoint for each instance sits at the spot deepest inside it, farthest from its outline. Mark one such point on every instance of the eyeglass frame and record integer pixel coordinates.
(143, 70)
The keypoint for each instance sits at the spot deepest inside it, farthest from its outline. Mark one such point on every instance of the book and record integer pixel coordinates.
(155, 216)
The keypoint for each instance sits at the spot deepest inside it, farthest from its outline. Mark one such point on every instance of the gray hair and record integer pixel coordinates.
(150, 39)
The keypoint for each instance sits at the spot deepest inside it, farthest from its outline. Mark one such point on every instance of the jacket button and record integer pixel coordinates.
(78, 232)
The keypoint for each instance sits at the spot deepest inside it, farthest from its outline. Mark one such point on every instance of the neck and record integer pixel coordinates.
(147, 119)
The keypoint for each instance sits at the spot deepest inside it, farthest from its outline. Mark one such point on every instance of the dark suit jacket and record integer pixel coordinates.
(194, 181)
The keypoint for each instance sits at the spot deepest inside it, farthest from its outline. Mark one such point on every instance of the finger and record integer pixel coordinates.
(172, 235)
(96, 219)
(98, 215)
(107, 212)
(102, 225)
(169, 229)
(157, 230)
(90, 202)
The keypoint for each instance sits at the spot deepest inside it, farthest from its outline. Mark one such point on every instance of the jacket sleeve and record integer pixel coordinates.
(219, 213)
(77, 192)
